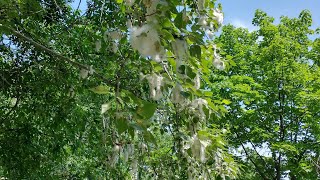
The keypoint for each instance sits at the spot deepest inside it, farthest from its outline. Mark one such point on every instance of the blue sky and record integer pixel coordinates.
(240, 12)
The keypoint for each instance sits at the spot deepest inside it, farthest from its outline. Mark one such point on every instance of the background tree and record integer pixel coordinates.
(272, 87)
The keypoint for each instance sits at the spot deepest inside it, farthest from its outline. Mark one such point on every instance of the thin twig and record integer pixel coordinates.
(4, 79)
(255, 165)
(78, 5)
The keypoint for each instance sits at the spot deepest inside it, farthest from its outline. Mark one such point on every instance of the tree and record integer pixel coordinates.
(148, 63)
(273, 94)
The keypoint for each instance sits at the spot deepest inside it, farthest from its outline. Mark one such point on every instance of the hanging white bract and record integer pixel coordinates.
(197, 81)
(210, 34)
(217, 62)
(203, 21)
(114, 35)
(129, 24)
(98, 45)
(134, 169)
(160, 57)
(91, 70)
(198, 147)
(128, 151)
(197, 106)
(191, 173)
(201, 5)
(218, 16)
(155, 83)
(176, 94)
(13, 102)
(115, 155)
(84, 73)
(180, 47)
(146, 41)
(114, 47)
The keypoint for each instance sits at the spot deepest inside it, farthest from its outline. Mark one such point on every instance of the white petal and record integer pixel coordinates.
(105, 107)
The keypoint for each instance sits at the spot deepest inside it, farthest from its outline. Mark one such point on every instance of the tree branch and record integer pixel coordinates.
(255, 165)
(4, 79)
(55, 54)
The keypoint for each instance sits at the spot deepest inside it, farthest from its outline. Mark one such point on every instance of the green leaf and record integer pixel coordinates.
(232, 63)
(121, 125)
(190, 73)
(136, 126)
(182, 69)
(167, 35)
(101, 89)
(166, 23)
(178, 21)
(226, 101)
(148, 136)
(185, 94)
(134, 98)
(195, 50)
(208, 93)
(146, 109)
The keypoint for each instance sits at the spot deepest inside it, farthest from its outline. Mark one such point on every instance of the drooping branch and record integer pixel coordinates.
(56, 54)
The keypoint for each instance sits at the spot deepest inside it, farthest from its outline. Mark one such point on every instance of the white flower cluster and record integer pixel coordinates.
(125, 152)
(217, 62)
(198, 147)
(146, 41)
(84, 73)
(216, 16)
